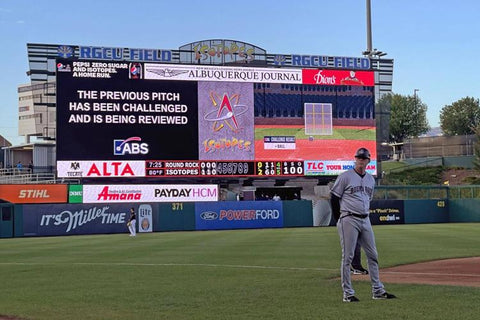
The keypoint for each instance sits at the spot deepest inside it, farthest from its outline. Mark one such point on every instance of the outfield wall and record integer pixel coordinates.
(464, 210)
(30, 220)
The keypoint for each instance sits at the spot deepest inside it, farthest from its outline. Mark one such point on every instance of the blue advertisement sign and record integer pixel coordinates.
(387, 212)
(76, 219)
(238, 215)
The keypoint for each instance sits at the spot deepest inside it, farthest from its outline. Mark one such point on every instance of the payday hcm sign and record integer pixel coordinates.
(149, 193)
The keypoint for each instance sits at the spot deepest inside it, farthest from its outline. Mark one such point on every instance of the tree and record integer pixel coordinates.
(476, 149)
(408, 116)
(461, 117)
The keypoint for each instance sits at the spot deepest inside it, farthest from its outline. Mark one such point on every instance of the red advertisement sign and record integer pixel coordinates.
(338, 77)
(34, 193)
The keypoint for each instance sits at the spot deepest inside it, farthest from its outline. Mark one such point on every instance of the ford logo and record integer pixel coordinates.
(209, 215)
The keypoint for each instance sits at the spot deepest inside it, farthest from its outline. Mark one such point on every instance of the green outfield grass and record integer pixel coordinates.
(299, 133)
(239, 274)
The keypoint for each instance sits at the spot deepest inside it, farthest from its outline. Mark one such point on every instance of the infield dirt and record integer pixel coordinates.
(455, 272)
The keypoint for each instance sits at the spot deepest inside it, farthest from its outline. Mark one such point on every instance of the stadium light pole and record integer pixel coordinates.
(369, 26)
(370, 51)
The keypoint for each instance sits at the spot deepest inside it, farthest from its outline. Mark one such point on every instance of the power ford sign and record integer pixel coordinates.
(238, 215)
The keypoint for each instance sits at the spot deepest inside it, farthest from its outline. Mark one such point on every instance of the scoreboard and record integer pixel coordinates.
(133, 119)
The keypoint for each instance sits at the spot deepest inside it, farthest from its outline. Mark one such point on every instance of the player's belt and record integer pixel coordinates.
(362, 216)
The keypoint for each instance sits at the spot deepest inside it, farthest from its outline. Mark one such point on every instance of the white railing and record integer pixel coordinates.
(25, 176)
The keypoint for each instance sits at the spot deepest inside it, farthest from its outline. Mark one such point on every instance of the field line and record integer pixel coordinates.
(168, 265)
(430, 273)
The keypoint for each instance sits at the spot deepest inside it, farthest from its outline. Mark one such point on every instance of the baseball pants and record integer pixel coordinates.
(350, 229)
(132, 229)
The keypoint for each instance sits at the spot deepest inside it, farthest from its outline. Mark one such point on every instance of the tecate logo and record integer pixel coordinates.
(209, 215)
(130, 145)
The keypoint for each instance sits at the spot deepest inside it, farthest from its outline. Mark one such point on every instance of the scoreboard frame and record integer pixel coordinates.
(91, 93)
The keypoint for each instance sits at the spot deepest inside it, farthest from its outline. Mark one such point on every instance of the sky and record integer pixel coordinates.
(435, 44)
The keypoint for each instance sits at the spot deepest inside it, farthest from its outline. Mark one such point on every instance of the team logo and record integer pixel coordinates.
(226, 111)
(130, 145)
(279, 60)
(65, 51)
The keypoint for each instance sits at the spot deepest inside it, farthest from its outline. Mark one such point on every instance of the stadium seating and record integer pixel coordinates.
(287, 100)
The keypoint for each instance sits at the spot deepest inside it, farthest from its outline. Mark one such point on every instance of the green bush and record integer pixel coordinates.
(415, 176)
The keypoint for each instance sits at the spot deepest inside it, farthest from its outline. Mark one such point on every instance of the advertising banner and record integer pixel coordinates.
(75, 219)
(330, 168)
(387, 212)
(97, 169)
(145, 218)
(34, 193)
(228, 74)
(338, 77)
(149, 193)
(75, 193)
(238, 215)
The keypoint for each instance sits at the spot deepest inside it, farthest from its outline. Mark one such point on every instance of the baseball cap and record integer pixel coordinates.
(362, 153)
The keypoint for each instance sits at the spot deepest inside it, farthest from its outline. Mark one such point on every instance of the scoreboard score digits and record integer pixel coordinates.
(279, 168)
(161, 168)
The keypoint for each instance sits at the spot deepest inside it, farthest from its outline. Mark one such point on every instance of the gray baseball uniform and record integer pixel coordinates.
(355, 193)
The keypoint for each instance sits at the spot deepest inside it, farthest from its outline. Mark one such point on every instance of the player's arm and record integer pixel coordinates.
(335, 202)
(336, 192)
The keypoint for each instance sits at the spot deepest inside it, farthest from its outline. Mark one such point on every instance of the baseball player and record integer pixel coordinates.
(131, 223)
(350, 198)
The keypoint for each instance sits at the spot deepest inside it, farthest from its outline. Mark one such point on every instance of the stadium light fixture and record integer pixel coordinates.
(374, 53)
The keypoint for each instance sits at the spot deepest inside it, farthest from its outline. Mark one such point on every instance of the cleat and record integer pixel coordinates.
(360, 270)
(350, 299)
(383, 296)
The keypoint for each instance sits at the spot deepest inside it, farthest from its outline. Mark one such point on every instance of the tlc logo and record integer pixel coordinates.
(131, 145)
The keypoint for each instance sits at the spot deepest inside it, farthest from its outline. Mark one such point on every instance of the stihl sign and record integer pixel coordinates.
(38, 193)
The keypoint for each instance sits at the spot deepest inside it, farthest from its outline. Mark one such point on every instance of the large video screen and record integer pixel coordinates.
(122, 119)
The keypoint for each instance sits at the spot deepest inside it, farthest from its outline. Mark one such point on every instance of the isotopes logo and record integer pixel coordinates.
(227, 109)
(130, 145)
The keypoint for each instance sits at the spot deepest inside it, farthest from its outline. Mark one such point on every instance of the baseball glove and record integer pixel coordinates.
(129, 224)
